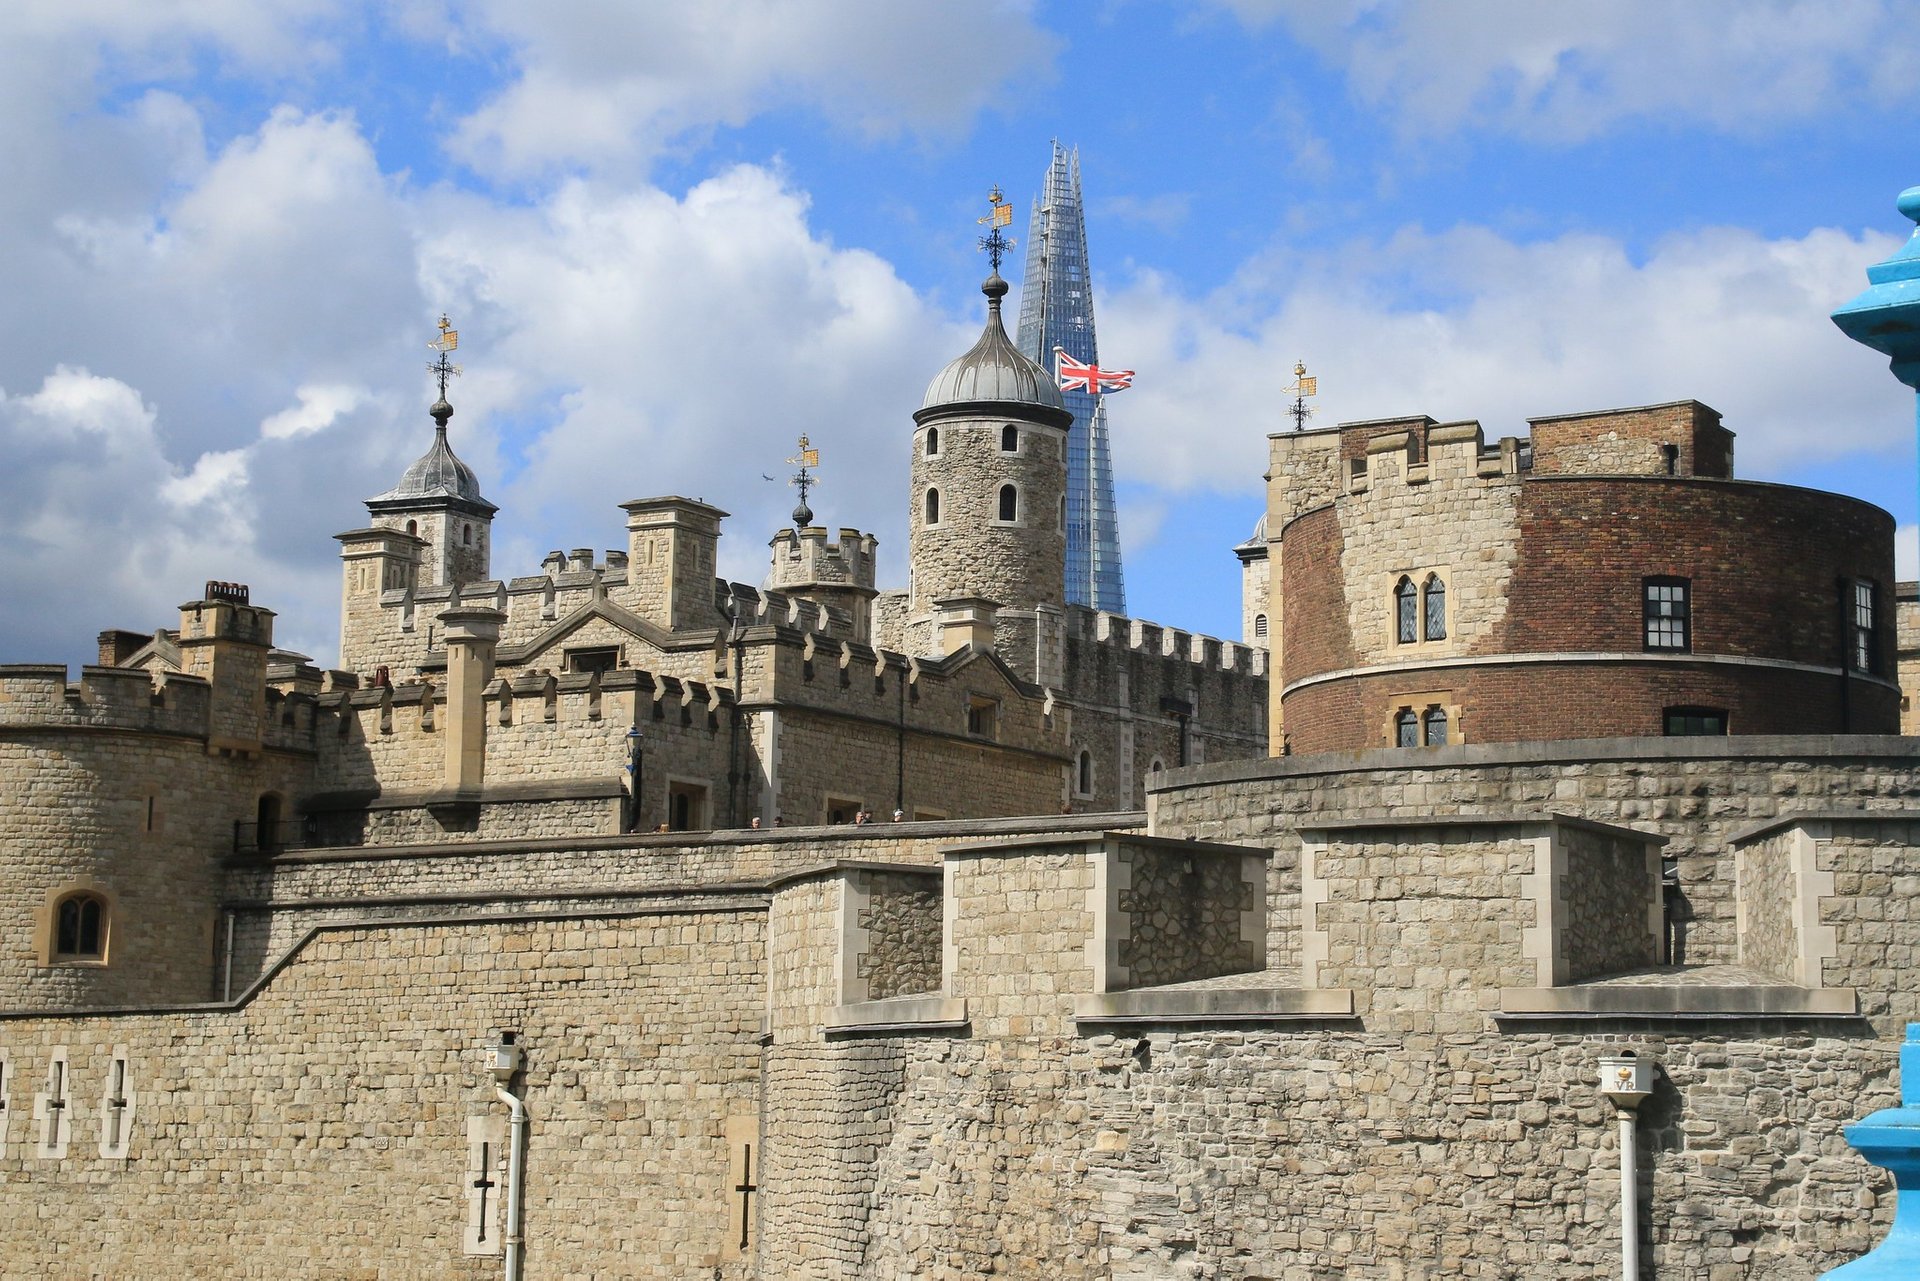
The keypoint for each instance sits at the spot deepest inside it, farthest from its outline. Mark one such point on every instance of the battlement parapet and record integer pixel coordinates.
(1208, 653)
(776, 608)
(808, 557)
(125, 698)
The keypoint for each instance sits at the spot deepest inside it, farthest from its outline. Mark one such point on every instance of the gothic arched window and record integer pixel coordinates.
(1406, 612)
(1433, 604)
(80, 928)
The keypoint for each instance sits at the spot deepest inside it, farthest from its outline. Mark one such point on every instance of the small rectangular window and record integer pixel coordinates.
(602, 659)
(1695, 722)
(1666, 613)
(983, 716)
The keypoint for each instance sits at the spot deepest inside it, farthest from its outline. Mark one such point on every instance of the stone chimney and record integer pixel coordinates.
(472, 633)
(960, 621)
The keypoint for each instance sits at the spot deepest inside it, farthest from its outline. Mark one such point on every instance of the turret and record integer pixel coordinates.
(672, 543)
(438, 498)
(225, 640)
(988, 516)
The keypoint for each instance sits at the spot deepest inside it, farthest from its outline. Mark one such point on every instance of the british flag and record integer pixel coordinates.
(1075, 375)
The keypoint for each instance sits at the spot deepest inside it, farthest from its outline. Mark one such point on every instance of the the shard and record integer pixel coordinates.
(1056, 310)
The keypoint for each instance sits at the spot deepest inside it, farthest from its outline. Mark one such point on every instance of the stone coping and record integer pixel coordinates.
(924, 829)
(933, 1012)
(488, 794)
(1056, 838)
(928, 870)
(1766, 827)
(1676, 1002)
(1183, 1004)
(246, 995)
(1893, 748)
(1484, 820)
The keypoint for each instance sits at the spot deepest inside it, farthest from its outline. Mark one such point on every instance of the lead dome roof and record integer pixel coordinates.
(993, 369)
(436, 475)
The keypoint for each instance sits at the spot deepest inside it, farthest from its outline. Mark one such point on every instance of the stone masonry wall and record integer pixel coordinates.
(1611, 885)
(1184, 916)
(1695, 792)
(321, 1128)
(902, 921)
(1874, 914)
(1769, 906)
(1324, 1154)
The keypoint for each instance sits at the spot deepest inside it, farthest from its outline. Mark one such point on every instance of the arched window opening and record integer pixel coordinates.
(413, 527)
(933, 442)
(1063, 511)
(466, 535)
(1155, 766)
(1406, 606)
(1009, 439)
(1406, 728)
(1433, 604)
(1436, 727)
(80, 928)
(1083, 778)
(1009, 503)
(1259, 626)
(933, 507)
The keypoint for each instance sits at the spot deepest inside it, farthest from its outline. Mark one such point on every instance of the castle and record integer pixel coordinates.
(539, 936)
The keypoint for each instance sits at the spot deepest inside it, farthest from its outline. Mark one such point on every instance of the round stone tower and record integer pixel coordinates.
(988, 516)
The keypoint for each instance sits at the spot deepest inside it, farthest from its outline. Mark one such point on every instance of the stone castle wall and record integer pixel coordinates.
(1699, 793)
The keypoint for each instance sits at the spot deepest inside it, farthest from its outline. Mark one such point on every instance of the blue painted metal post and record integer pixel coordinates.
(1886, 317)
(1890, 1138)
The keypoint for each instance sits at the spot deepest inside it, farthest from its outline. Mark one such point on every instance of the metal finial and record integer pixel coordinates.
(999, 214)
(804, 479)
(1302, 387)
(443, 368)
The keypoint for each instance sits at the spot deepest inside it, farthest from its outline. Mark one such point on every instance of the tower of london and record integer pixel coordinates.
(612, 918)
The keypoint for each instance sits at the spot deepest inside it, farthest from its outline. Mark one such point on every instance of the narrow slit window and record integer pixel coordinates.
(933, 507)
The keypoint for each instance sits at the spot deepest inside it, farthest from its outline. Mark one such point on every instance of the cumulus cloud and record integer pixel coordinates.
(661, 344)
(604, 83)
(1567, 71)
(1466, 323)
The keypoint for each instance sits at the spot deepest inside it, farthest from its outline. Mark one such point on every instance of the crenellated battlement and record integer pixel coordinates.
(1208, 653)
(40, 696)
(806, 557)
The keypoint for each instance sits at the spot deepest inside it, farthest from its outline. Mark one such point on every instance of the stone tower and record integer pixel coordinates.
(989, 480)
(438, 501)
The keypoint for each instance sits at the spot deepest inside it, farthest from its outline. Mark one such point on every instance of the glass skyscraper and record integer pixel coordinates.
(1056, 310)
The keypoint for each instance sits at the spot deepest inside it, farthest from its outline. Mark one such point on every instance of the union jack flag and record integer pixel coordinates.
(1076, 375)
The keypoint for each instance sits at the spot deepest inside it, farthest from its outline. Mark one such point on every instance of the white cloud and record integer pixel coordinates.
(1468, 324)
(668, 345)
(610, 84)
(319, 407)
(1565, 70)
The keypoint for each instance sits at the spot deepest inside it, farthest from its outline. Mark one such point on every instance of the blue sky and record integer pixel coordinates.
(674, 237)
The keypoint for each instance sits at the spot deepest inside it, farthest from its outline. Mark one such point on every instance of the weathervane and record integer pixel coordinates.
(1302, 387)
(448, 340)
(804, 479)
(1000, 214)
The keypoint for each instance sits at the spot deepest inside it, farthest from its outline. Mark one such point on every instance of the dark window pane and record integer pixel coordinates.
(1435, 607)
(1406, 605)
(1688, 722)
(1436, 727)
(1406, 730)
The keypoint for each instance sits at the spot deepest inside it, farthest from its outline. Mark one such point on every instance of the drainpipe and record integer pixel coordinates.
(900, 744)
(226, 959)
(503, 1060)
(1626, 1080)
